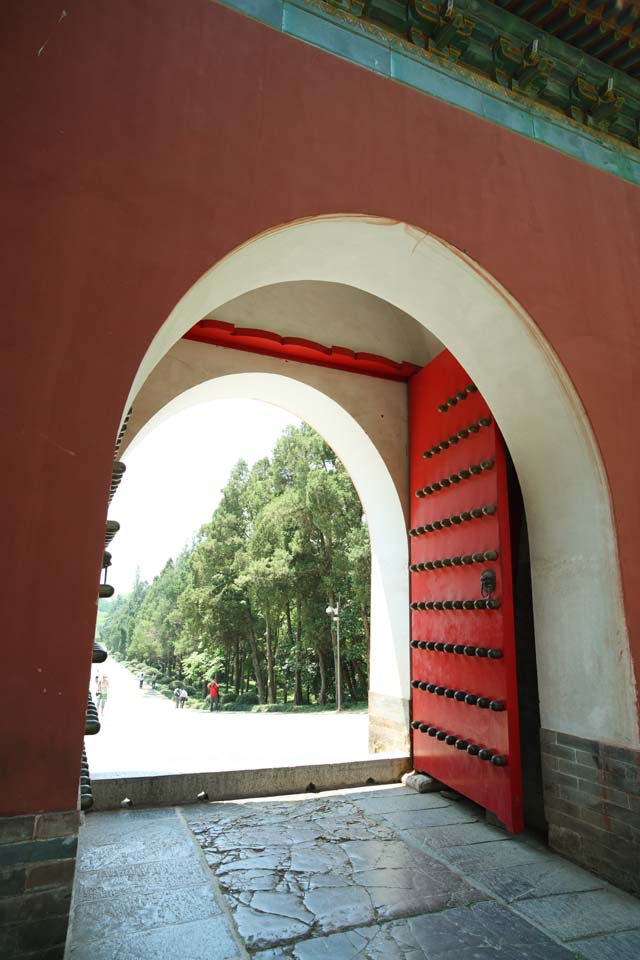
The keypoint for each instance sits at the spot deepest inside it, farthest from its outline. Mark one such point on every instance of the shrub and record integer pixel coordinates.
(228, 698)
(247, 698)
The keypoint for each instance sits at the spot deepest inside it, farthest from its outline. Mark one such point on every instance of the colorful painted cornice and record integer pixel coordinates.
(579, 57)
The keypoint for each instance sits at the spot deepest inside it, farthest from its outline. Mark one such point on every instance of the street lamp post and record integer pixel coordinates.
(334, 612)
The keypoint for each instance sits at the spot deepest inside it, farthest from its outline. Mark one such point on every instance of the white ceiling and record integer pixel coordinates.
(333, 314)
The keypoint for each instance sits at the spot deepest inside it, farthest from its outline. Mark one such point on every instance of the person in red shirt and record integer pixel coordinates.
(214, 695)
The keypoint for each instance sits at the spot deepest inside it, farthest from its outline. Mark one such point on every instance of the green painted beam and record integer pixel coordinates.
(389, 55)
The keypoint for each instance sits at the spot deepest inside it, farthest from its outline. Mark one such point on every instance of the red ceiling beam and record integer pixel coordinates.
(220, 334)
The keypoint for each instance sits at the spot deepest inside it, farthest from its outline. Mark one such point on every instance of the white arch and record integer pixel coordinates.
(584, 664)
(389, 674)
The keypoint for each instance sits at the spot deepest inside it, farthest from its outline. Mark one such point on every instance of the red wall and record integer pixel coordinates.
(144, 142)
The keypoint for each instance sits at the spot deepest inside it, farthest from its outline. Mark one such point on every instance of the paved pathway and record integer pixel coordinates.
(373, 874)
(143, 733)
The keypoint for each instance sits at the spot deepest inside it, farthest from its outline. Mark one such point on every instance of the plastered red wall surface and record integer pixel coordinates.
(142, 141)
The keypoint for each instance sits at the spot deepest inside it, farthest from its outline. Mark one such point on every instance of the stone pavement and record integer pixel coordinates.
(370, 874)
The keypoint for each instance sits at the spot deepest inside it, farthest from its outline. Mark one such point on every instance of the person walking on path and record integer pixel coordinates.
(102, 693)
(176, 695)
(184, 696)
(141, 679)
(214, 695)
(154, 677)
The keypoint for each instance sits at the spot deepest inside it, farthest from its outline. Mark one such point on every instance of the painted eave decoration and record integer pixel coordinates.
(578, 57)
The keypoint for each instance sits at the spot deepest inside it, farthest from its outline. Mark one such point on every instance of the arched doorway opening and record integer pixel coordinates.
(579, 623)
(389, 659)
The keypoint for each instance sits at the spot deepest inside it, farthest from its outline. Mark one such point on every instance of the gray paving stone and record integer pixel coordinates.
(170, 845)
(390, 791)
(482, 932)
(116, 917)
(186, 941)
(414, 890)
(95, 884)
(499, 854)
(339, 946)
(418, 820)
(573, 915)
(111, 826)
(616, 946)
(462, 834)
(396, 804)
(523, 881)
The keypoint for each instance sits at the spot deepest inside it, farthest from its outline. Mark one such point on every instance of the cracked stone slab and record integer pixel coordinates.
(282, 904)
(369, 854)
(318, 858)
(279, 953)
(617, 946)
(351, 828)
(274, 859)
(331, 877)
(251, 881)
(259, 929)
(353, 906)
(416, 889)
(573, 915)
(486, 931)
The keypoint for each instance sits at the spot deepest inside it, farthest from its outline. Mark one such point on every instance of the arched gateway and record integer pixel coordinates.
(135, 163)
(579, 625)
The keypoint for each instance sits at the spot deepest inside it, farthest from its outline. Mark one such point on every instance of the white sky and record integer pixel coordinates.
(174, 478)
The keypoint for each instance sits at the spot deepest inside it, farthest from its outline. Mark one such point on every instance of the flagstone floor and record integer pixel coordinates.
(369, 874)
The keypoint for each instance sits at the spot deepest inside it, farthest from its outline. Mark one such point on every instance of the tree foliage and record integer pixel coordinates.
(246, 601)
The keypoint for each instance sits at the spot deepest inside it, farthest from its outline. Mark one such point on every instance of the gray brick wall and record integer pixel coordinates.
(592, 804)
(37, 864)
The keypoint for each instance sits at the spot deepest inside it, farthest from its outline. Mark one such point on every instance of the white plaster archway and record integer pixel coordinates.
(579, 620)
(389, 661)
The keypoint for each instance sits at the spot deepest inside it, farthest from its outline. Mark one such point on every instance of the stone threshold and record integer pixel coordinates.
(177, 789)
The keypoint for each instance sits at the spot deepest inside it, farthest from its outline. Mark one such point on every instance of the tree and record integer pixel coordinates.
(246, 599)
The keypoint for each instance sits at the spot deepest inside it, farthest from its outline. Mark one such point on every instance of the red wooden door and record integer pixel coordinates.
(463, 674)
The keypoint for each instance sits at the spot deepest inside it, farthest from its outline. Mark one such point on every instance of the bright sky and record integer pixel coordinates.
(175, 475)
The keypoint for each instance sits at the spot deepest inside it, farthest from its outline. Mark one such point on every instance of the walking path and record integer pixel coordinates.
(374, 874)
(143, 733)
